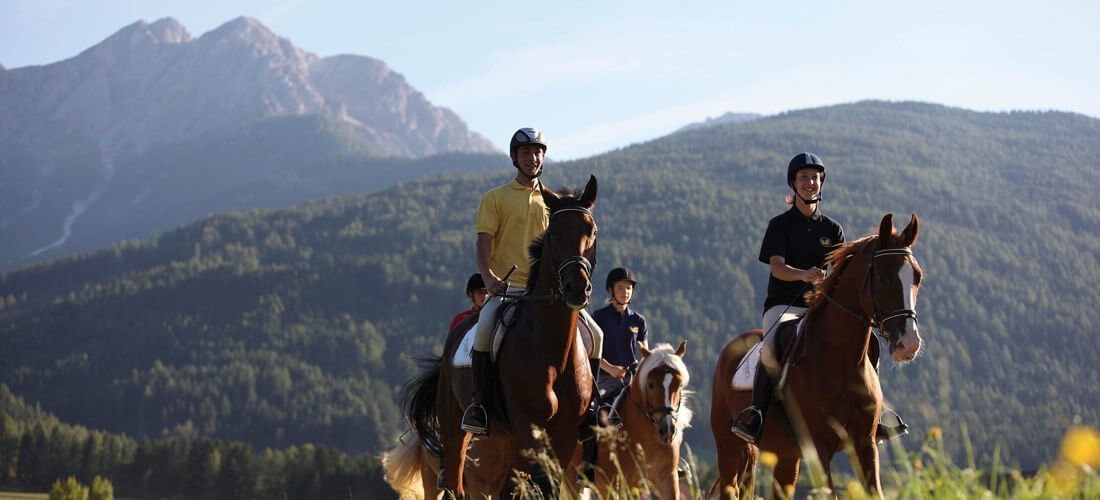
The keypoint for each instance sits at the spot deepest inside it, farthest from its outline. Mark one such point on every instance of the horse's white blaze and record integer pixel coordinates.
(668, 390)
(906, 275)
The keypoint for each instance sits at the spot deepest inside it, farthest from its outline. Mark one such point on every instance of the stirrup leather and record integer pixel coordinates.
(470, 421)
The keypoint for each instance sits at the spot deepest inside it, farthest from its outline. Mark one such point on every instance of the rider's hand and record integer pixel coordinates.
(495, 285)
(618, 371)
(814, 274)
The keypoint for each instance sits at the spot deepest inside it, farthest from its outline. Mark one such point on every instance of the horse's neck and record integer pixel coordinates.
(555, 326)
(838, 332)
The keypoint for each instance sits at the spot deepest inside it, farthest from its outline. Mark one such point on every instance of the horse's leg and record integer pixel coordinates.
(564, 441)
(454, 441)
(786, 475)
(867, 454)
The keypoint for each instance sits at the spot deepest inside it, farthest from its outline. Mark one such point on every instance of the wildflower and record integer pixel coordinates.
(934, 433)
(917, 464)
(1081, 447)
(855, 490)
(768, 458)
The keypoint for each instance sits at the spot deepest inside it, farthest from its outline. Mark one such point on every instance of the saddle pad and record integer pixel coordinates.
(463, 356)
(742, 378)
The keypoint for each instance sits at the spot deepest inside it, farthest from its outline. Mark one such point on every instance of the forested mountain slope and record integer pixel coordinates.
(301, 325)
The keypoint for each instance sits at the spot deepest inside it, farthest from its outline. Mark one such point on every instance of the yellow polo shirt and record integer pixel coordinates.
(514, 216)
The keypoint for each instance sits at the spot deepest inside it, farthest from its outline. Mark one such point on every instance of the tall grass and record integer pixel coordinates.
(925, 473)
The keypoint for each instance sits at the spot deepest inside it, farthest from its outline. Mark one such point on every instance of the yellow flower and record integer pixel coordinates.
(768, 458)
(917, 464)
(855, 490)
(1081, 447)
(934, 433)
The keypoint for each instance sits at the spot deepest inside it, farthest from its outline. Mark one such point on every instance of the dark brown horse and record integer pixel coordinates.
(543, 383)
(645, 453)
(830, 394)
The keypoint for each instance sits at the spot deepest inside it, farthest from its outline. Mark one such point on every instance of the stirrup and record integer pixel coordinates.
(742, 430)
(469, 424)
(885, 432)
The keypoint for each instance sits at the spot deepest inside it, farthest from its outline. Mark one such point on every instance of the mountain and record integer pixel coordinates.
(151, 102)
(278, 327)
(724, 119)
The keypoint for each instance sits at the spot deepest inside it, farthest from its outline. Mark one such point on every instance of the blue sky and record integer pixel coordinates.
(596, 76)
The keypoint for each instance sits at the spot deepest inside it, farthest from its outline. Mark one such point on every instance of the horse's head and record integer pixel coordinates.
(895, 278)
(570, 242)
(662, 377)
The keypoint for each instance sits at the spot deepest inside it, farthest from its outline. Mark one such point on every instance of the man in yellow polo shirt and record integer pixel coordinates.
(509, 218)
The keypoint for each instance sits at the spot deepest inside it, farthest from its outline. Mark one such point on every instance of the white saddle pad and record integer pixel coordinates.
(742, 378)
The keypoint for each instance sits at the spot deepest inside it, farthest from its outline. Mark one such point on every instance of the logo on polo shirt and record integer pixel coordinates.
(634, 330)
(825, 241)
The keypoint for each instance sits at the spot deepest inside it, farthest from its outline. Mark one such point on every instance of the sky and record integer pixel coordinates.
(597, 76)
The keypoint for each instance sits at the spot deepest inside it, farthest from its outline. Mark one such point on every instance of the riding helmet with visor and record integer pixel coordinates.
(523, 137)
(620, 274)
(801, 161)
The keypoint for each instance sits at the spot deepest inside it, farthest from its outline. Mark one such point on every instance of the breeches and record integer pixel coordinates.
(772, 318)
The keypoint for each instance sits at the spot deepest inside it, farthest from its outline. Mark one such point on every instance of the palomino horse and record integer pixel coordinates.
(645, 453)
(831, 392)
(544, 383)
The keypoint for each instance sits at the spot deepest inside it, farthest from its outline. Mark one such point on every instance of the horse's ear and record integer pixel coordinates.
(886, 229)
(643, 349)
(588, 198)
(682, 349)
(551, 198)
(909, 235)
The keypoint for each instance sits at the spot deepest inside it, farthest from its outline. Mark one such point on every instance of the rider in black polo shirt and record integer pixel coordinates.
(795, 246)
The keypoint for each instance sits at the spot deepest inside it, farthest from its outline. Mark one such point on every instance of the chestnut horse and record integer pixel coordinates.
(543, 383)
(645, 452)
(830, 393)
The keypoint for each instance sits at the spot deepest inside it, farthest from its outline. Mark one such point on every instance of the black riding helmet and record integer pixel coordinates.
(620, 274)
(801, 161)
(524, 136)
(475, 283)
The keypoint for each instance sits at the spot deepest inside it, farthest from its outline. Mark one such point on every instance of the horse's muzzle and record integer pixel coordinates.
(908, 344)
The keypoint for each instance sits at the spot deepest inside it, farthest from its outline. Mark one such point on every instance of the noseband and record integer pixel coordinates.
(878, 319)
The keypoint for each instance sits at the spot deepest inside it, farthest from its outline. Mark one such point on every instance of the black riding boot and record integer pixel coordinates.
(890, 424)
(475, 420)
(591, 415)
(762, 388)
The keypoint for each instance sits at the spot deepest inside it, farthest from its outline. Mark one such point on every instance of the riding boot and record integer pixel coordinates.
(890, 424)
(762, 387)
(475, 419)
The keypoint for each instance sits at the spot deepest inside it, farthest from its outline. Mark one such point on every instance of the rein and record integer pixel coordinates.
(878, 319)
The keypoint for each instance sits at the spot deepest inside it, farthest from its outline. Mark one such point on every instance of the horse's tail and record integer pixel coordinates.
(402, 466)
(419, 404)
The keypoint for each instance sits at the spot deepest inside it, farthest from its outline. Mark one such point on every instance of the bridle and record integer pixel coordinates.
(878, 318)
(651, 412)
(579, 260)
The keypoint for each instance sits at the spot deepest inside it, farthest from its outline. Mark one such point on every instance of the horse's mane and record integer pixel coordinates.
(665, 355)
(568, 197)
(838, 259)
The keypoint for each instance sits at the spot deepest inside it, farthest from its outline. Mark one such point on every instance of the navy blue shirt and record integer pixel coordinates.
(803, 242)
(620, 333)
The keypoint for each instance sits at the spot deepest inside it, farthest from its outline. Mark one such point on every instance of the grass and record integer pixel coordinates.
(930, 473)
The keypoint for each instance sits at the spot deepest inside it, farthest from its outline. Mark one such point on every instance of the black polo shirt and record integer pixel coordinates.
(803, 242)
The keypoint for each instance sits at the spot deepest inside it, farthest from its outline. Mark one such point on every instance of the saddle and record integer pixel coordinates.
(787, 342)
(506, 317)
